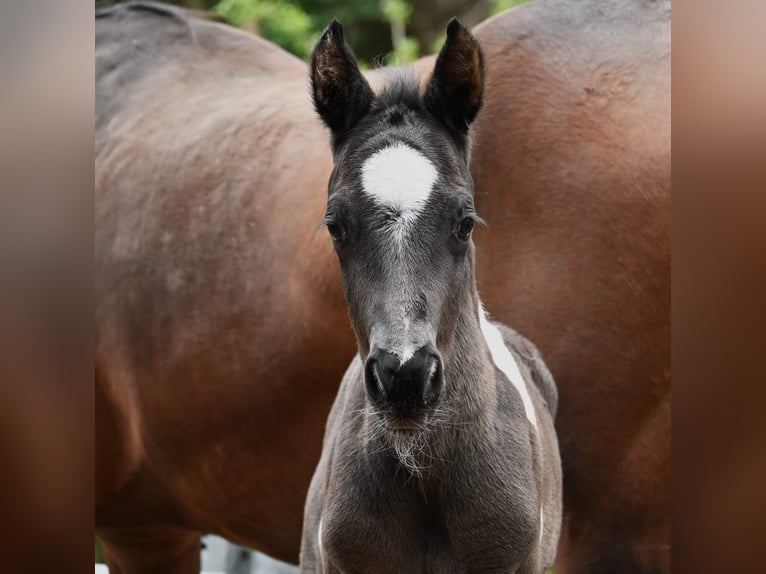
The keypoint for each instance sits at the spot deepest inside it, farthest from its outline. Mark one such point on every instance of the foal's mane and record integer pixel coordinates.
(400, 100)
(402, 88)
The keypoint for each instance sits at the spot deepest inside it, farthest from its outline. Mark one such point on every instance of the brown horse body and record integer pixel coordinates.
(572, 171)
(222, 331)
(220, 322)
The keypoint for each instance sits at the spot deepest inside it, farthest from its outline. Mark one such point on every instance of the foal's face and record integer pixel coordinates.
(401, 220)
(400, 214)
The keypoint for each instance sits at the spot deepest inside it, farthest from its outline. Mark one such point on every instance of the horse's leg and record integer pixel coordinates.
(151, 550)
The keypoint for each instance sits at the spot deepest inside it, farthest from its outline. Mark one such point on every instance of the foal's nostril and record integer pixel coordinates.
(417, 381)
(372, 379)
(435, 381)
(380, 374)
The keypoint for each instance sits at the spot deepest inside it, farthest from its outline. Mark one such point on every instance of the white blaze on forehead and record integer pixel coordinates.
(399, 178)
(504, 361)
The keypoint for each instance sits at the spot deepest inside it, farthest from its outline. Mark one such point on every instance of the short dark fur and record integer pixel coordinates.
(454, 95)
(430, 463)
(340, 92)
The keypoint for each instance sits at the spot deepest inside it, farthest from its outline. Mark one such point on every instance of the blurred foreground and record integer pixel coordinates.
(220, 556)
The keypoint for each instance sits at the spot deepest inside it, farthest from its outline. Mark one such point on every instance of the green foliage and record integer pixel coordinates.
(99, 553)
(438, 44)
(407, 51)
(501, 5)
(374, 28)
(296, 24)
(281, 21)
(396, 11)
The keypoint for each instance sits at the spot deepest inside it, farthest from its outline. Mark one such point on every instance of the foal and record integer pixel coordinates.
(439, 453)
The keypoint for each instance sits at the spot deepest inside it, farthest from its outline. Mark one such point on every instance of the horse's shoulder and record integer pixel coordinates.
(135, 38)
(149, 36)
(590, 75)
(141, 45)
(532, 362)
(133, 42)
(562, 46)
(547, 22)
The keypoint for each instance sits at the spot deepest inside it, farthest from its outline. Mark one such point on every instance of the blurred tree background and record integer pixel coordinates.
(381, 31)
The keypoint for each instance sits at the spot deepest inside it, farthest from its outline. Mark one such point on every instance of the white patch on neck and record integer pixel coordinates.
(504, 361)
(399, 178)
(319, 543)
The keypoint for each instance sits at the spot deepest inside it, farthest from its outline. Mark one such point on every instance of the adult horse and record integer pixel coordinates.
(221, 327)
(572, 168)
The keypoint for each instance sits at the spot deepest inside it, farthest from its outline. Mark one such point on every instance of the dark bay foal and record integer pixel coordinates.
(439, 454)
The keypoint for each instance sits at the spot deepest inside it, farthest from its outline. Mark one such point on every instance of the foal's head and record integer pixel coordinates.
(400, 213)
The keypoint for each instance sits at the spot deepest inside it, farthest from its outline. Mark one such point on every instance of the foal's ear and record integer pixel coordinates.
(341, 94)
(455, 91)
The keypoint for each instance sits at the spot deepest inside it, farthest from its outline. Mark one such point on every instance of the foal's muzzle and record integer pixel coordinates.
(406, 388)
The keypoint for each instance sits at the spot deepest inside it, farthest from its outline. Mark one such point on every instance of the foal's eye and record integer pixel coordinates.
(465, 228)
(335, 231)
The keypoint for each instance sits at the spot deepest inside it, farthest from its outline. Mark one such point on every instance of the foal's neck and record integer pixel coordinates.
(470, 372)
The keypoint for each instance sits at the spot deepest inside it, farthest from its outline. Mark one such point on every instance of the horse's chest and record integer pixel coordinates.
(406, 535)
(383, 548)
